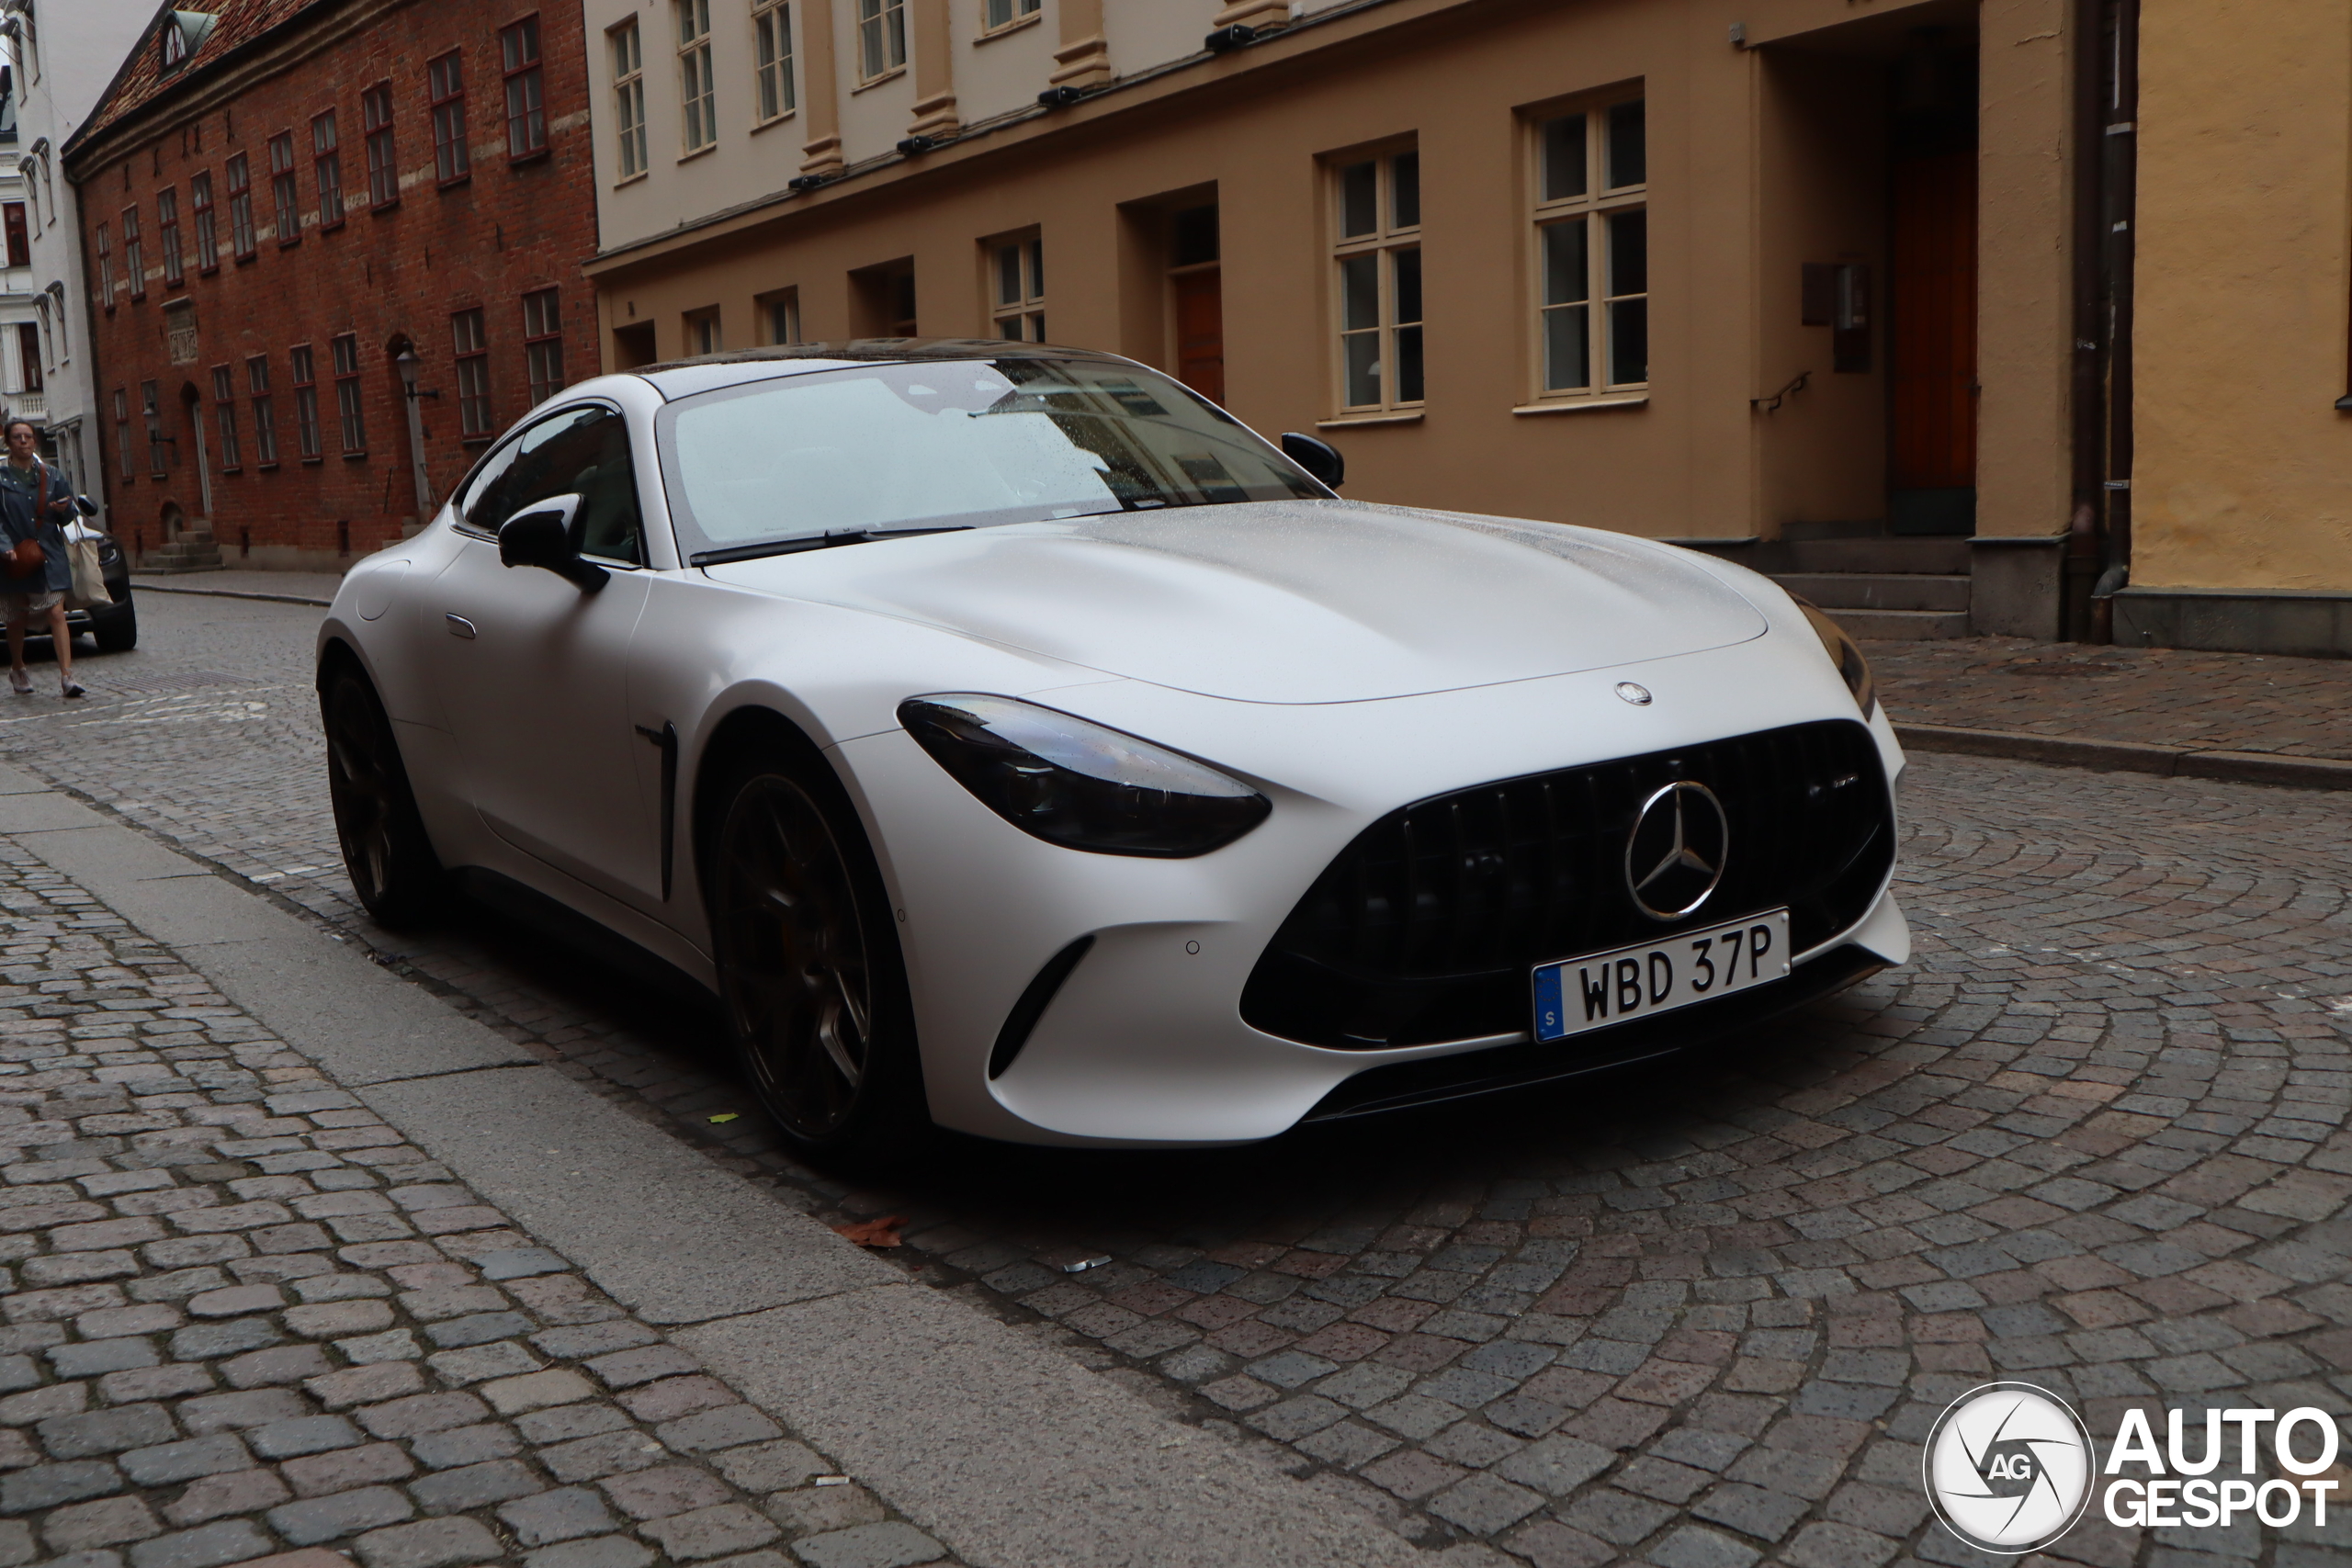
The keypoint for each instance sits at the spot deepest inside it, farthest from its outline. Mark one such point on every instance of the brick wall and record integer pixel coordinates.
(388, 275)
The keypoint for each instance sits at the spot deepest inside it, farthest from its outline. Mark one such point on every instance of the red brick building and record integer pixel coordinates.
(281, 201)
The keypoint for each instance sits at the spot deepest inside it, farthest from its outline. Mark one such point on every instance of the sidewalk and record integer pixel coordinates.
(303, 1265)
(2251, 717)
(295, 587)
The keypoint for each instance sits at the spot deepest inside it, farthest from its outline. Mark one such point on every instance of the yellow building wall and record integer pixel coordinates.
(2244, 471)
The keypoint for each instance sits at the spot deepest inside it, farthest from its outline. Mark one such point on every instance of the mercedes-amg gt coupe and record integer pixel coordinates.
(1011, 741)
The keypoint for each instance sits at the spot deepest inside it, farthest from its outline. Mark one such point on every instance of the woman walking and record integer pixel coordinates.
(34, 502)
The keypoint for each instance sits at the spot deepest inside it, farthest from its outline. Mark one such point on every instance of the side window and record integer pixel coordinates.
(582, 451)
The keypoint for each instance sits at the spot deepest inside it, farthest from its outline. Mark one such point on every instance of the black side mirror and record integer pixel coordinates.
(85, 506)
(1318, 457)
(540, 536)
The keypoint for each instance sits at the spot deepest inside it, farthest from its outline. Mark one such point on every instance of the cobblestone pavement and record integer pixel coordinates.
(2219, 702)
(2095, 1137)
(245, 1318)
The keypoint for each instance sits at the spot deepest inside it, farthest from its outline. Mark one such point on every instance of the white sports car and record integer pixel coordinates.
(1013, 741)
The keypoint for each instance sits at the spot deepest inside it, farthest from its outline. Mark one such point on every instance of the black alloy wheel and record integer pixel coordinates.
(392, 866)
(809, 970)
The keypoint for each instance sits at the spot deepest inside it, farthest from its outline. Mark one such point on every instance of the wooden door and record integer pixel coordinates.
(1932, 344)
(1200, 333)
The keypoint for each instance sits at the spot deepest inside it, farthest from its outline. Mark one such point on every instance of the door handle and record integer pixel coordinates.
(459, 626)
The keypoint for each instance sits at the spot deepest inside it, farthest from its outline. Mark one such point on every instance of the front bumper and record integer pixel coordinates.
(1146, 1043)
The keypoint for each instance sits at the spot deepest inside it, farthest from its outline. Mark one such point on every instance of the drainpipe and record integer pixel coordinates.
(2120, 175)
(2083, 562)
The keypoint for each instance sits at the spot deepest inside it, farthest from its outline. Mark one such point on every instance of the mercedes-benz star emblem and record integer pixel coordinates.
(1674, 857)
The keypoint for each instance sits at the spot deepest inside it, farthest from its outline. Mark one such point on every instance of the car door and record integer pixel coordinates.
(533, 670)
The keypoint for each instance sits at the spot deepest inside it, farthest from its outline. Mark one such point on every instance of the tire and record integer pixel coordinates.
(118, 632)
(384, 848)
(809, 969)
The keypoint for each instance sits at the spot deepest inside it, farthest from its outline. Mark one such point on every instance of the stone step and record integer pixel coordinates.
(1836, 590)
(1902, 625)
(1883, 555)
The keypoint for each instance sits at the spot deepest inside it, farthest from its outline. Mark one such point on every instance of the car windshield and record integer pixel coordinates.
(948, 444)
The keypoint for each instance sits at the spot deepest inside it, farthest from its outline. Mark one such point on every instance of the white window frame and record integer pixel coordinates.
(1004, 15)
(1016, 286)
(697, 94)
(1392, 246)
(627, 46)
(1605, 312)
(774, 94)
(881, 39)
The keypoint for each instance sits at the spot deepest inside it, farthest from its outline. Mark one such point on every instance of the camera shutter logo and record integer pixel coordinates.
(2008, 1467)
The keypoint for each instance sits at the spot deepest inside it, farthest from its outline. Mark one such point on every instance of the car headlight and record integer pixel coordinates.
(1843, 653)
(1079, 784)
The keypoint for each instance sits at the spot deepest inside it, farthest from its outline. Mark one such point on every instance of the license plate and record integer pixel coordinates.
(1626, 982)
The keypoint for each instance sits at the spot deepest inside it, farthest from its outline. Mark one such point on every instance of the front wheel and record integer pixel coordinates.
(392, 867)
(117, 631)
(810, 972)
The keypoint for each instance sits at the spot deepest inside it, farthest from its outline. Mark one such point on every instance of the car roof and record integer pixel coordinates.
(678, 378)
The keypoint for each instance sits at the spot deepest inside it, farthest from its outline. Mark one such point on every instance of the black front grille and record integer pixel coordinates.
(1425, 928)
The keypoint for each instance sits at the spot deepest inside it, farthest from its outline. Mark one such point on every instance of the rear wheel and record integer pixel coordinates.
(392, 866)
(809, 969)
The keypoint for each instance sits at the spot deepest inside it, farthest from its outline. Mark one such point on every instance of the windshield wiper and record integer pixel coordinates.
(814, 542)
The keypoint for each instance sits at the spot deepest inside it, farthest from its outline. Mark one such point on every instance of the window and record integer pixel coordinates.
(1592, 252)
(526, 120)
(207, 245)
(306, 400)
(134, 254)
(781, 312)
(445, 79)
(629, 98)
(881, 37)
(150, 404)
(224, 415)
(1004, 13)
(327, 165)
(543, 343)
(20, 245)
(123, 465)
(264, 410)
(346, 393)
(240, 208)
(772, 55)
(1017, 289)
(699, 127)
(283, 196)
(472, 347)
(167, 228)
(583, 450)
(105, 267)
(1377, 207)
(375, 126)
(702, 330)
(28, 356)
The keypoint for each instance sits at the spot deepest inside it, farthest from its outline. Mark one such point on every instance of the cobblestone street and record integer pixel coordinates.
(2094, 1136)
(246, 1317)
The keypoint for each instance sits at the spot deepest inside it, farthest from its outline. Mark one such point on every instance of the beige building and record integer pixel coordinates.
(1823, 285)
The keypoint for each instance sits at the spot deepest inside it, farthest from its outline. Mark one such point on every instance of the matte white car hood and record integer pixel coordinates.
(1288, 602)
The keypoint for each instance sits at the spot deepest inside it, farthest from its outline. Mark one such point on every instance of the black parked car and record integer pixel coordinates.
(114, 628)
